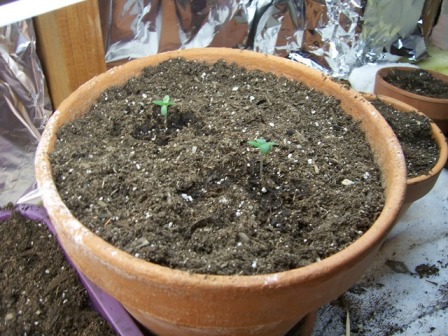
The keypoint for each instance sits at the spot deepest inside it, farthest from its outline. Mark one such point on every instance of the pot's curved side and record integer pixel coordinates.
(436, 109)
(419, 186)
(172, 302)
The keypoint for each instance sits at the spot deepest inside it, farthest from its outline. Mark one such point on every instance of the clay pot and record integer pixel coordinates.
(174, 302)
(434, 108)
(419, 186)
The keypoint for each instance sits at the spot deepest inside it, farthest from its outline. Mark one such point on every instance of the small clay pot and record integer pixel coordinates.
(174, 302)
(434, 108)
(419, 186)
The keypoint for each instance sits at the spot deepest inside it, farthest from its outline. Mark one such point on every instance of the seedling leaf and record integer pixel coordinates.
(262, 145)
(164, 106)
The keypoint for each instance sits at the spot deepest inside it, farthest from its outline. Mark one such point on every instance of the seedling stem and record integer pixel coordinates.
(264, 148)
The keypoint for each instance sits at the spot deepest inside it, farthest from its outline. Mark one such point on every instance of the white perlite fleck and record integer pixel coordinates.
(347, 182)
(187, 197)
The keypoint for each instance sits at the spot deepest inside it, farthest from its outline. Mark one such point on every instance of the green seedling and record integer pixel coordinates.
(264, 147)
(164, 107)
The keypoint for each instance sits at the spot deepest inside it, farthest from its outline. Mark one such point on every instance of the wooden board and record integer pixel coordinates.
(70, 46)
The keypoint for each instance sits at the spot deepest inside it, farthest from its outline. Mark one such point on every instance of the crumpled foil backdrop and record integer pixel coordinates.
(24, 109)
(334, 35)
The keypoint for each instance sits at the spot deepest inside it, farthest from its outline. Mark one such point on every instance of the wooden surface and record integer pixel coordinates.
(70, 47)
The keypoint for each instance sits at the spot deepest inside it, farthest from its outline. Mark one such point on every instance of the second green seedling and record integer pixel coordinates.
(164, 107)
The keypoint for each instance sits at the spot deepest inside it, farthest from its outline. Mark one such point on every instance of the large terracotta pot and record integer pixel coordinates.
(419, 186)
(434, 108)
(174, 302)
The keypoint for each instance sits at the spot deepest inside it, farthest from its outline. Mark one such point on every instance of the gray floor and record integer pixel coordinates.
(392, 298)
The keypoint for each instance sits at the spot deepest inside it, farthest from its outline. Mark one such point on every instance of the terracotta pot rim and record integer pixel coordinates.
(156, 273)
(443, 157)
(438, 135)
(384, 71)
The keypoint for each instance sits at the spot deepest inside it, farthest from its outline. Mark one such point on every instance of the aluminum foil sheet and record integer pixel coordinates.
(324, 32)
(336, 35)
(393, 27)
(24, 109)
(133, 28)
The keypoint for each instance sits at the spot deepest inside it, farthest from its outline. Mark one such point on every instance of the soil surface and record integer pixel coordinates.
(418, 81)
(190, 196)
(414, 132)
(40, 292)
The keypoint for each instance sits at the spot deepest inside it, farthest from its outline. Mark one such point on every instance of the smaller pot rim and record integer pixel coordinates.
(438, 135)
(381, 73)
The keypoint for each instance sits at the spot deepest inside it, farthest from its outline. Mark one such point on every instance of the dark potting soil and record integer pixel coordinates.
(418, 81)
(414, 132)
(190, 197)
(40, 292)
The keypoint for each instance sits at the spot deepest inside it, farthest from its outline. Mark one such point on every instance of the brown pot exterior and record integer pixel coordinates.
(419, 186)
(173, 302)
(436, 109)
